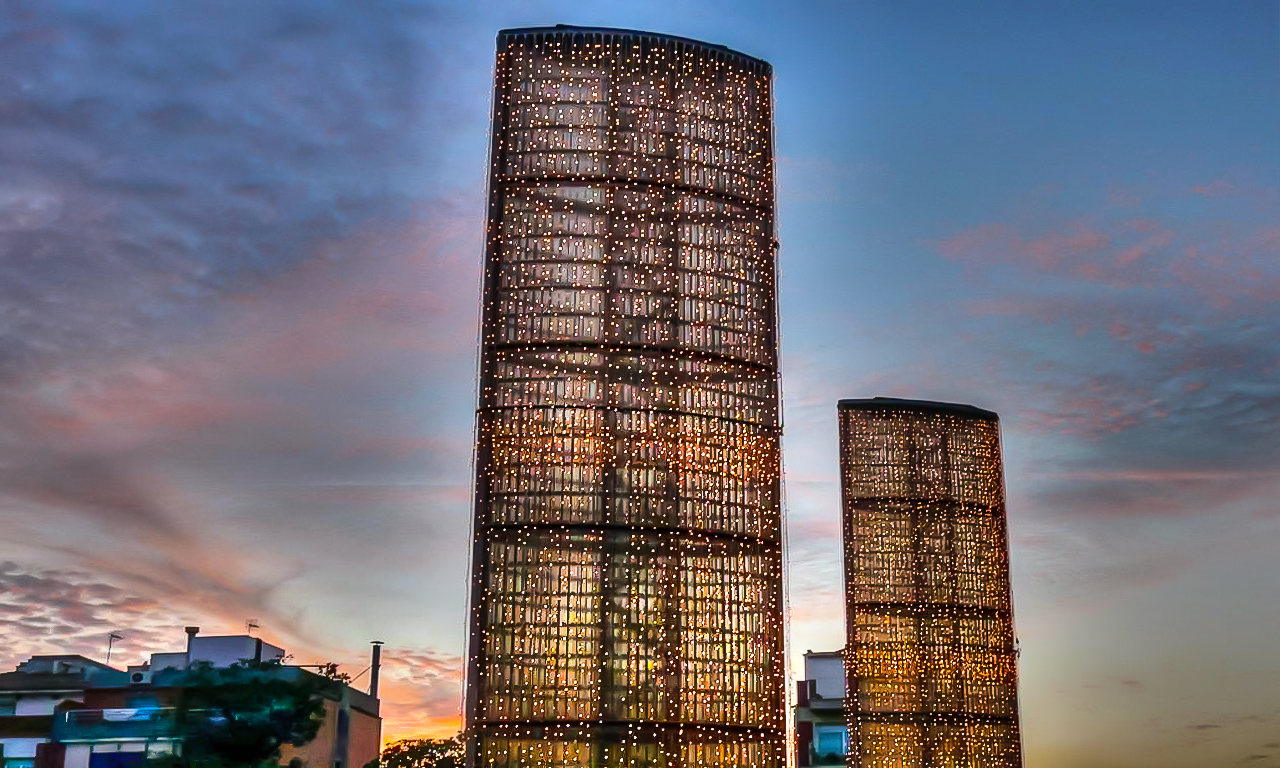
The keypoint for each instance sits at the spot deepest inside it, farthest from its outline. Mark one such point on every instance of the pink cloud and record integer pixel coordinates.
(112, 475)
(422, 694)
(1166, 476)
(1215, 188)
(51, 611)
(1122, 197)
(1133, 254)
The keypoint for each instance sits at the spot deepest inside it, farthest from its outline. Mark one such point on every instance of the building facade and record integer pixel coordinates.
(627, 564)
(930, 651)
(821, 728)
(36, 694)
(73, 712)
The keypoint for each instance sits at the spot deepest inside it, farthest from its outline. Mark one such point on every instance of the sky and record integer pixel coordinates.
(240, 252)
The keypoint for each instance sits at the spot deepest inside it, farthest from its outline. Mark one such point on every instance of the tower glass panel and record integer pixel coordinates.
(627, 568)
(929, 654)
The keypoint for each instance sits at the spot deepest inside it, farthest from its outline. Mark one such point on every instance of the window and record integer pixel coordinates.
(831, 740)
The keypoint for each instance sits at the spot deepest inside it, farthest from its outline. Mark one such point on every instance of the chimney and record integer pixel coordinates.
(373, 668)
(191, 635)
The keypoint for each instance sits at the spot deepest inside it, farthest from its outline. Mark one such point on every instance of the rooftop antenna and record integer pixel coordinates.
(112, 637)
(250, 625)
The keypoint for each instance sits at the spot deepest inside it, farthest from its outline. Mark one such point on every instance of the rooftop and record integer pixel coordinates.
(929, 406)
(571, 29)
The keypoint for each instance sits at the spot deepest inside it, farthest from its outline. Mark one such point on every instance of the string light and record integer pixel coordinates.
(627, 566)
(929, 655)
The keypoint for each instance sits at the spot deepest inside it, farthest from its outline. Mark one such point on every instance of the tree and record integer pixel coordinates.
(331, 672)
(240, 716)
(421, 753)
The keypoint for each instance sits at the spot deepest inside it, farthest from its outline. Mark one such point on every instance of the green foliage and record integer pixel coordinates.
(240, 716)
(421, 753)
(330, 671)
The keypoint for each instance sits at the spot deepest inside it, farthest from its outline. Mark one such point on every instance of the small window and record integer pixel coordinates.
(831, 740)
(7, 704)
(20, 762)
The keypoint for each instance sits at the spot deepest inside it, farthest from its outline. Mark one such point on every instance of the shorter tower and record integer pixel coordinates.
(929, 655)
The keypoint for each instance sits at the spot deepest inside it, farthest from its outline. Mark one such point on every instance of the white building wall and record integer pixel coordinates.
(161, 661)
(77, 756)
(20, 747)
(228, 650)
(827, 672)
(42, 704)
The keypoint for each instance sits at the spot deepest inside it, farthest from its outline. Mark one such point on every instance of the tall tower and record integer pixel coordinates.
(929, 655)
(627, 567)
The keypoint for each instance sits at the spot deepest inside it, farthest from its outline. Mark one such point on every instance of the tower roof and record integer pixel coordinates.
(927, 406)
(614, 31)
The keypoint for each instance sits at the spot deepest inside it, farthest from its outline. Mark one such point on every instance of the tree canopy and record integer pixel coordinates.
(240, 716)
(421, 753)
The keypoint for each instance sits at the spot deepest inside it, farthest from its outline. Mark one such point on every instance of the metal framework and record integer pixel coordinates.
(930, 657)
(627, 568)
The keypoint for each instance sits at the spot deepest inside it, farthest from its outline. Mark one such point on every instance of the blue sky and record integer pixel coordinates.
(239, 285)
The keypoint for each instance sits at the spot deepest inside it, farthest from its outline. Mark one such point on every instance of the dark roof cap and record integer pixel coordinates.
(571, 29)
(926, 406)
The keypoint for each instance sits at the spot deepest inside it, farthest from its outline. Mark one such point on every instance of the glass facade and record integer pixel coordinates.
(627, 567)
(930, 657)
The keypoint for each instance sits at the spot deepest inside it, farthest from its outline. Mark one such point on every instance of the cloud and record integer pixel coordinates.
(155, 161)
(422, 694)
(236, 285)
(1142, 323)
(299, 390)
(50, 611)
(1135, 253)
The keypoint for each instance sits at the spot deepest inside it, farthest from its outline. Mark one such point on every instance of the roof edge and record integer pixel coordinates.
(925, 406)
(571, 29)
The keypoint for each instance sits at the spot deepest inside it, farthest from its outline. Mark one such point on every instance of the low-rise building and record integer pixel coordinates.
(822, 733)
(35, 693)
(73, 712)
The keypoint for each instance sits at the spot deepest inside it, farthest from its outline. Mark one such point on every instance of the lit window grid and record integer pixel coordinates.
(586, 746)
(930, 651)
(629, 382)
(653, 267)
(627, 626)
(615, 108)
(636, 468)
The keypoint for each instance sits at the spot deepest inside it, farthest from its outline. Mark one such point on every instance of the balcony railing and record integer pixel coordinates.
(115, 724)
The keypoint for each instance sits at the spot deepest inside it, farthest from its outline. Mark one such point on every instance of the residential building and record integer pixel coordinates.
(72, 712)
(627, 563)
(822, 734)
(930, 650)
(40, 689)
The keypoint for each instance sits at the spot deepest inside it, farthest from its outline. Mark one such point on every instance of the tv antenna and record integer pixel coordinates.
(112, 637)
(250, 625)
